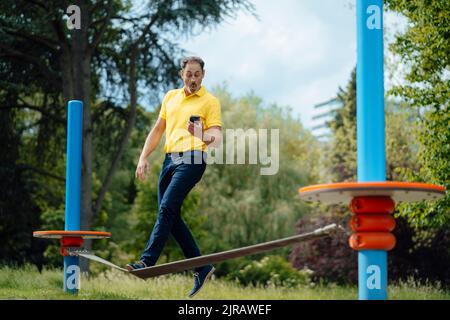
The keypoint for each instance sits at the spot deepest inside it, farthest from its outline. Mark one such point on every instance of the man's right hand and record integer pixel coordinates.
(142, 169)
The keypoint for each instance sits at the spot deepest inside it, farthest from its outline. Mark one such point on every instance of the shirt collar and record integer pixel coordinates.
(199, 93)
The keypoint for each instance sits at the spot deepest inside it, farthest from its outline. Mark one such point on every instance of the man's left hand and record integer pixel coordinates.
(196, 129)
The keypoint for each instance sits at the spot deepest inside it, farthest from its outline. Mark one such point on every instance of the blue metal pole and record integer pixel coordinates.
(372, 264)
(73, 189)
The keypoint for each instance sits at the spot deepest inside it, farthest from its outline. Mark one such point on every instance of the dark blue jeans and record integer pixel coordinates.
(177, 178)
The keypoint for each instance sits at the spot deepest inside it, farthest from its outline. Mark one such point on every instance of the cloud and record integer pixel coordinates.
(297, 53)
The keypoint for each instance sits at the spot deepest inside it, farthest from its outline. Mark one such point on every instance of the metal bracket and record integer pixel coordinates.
(75, 251)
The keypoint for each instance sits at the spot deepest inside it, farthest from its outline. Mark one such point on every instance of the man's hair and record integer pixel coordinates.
(186, 60)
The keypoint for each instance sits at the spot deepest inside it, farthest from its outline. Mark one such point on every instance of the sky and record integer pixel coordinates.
(297, 53)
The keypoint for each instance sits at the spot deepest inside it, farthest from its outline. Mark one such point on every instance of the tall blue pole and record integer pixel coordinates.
(372, 264)
(73, 189)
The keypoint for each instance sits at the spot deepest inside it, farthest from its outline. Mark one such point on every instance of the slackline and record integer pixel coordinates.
(182, 265)
(98, 259)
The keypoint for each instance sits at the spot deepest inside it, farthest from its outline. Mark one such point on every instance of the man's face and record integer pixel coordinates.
(192, 76)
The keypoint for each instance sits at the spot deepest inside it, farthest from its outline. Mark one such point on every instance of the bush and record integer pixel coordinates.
(273, 270)
(330, 258)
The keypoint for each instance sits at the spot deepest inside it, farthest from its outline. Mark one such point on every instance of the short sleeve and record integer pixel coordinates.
(162, 112)
(214, 114)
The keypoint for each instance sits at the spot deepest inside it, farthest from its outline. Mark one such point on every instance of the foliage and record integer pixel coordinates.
(401, 140)
(424, 48)
(421, 255)
(19, 214)
(331, 259)
(52, 219)
(244, 207)
(271, 270)
(119, 49)
(122, 194)
(434, 157)
(340, 154)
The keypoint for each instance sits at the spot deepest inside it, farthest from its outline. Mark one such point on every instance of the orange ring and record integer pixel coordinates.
(365, 222)
(380, 204)
(71, 241)
(372, 241)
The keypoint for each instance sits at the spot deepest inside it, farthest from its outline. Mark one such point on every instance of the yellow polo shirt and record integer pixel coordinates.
(176, 109)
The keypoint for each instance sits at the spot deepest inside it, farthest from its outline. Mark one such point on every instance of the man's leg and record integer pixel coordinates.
(184, 178)
(163, 183)
(180, 230)
(185, 239)
(164, 178)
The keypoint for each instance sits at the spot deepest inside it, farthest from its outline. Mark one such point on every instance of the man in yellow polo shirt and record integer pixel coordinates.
(184, 164)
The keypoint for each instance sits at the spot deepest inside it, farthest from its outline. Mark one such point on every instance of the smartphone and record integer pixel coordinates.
(194, 118)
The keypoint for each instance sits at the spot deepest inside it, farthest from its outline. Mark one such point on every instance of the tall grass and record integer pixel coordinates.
(28, 283)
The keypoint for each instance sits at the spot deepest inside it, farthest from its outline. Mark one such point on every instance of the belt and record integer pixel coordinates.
(188, 157)
(186, 153)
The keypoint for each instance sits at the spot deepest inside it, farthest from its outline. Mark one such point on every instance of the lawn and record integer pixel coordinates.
(29, 283)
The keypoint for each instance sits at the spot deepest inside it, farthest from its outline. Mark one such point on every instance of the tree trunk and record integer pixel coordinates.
(132, 91)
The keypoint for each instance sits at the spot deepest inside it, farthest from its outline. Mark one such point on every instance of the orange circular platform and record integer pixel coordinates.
(334, 193)
(58, 234)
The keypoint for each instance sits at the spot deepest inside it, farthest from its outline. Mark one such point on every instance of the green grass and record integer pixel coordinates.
(28, 283)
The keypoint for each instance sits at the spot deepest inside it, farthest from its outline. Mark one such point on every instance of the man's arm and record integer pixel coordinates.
(151, 143)
(153, 138)
(213, 136)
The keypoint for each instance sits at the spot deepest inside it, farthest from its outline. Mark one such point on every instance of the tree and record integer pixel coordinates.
(15, 197)
(243, 206)
(424, 48)
(332, 259)
(340, 157)
(118, 48)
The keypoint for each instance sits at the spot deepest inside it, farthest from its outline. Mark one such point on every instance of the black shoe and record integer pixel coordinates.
(200, 278)
(136, 265)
